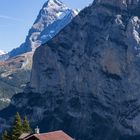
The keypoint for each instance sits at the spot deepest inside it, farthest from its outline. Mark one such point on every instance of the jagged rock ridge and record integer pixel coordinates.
(86, 80)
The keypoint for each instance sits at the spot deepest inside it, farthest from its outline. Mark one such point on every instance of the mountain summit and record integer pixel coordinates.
(53, 17)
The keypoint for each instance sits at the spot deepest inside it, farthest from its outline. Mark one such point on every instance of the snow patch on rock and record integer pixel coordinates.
(2, 52)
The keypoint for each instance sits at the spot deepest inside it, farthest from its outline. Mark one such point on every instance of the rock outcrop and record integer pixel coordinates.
(86, 79)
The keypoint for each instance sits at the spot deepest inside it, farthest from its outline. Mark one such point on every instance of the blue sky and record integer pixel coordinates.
(17, 16)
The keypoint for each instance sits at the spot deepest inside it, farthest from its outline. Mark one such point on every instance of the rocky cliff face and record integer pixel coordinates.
(86, 80)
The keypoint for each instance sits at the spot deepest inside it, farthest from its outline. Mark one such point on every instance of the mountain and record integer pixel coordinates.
(86, 80)
(53, 17)
(14, 74)
(2, 52)
(3, 55)
(15, 66)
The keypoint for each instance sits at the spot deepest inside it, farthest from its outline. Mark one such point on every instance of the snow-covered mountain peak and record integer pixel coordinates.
(52, 4)
(54, 9)
(2, 52)
(52, 18)
(58, 2)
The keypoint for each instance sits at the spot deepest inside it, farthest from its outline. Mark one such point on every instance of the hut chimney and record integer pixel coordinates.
(37, 130)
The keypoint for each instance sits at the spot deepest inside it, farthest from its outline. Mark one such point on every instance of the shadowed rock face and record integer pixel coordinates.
(86, 80)
(122, 4)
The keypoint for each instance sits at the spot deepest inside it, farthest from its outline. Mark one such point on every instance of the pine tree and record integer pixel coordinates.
(17, 127)
(26, 126)
(5, 136)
